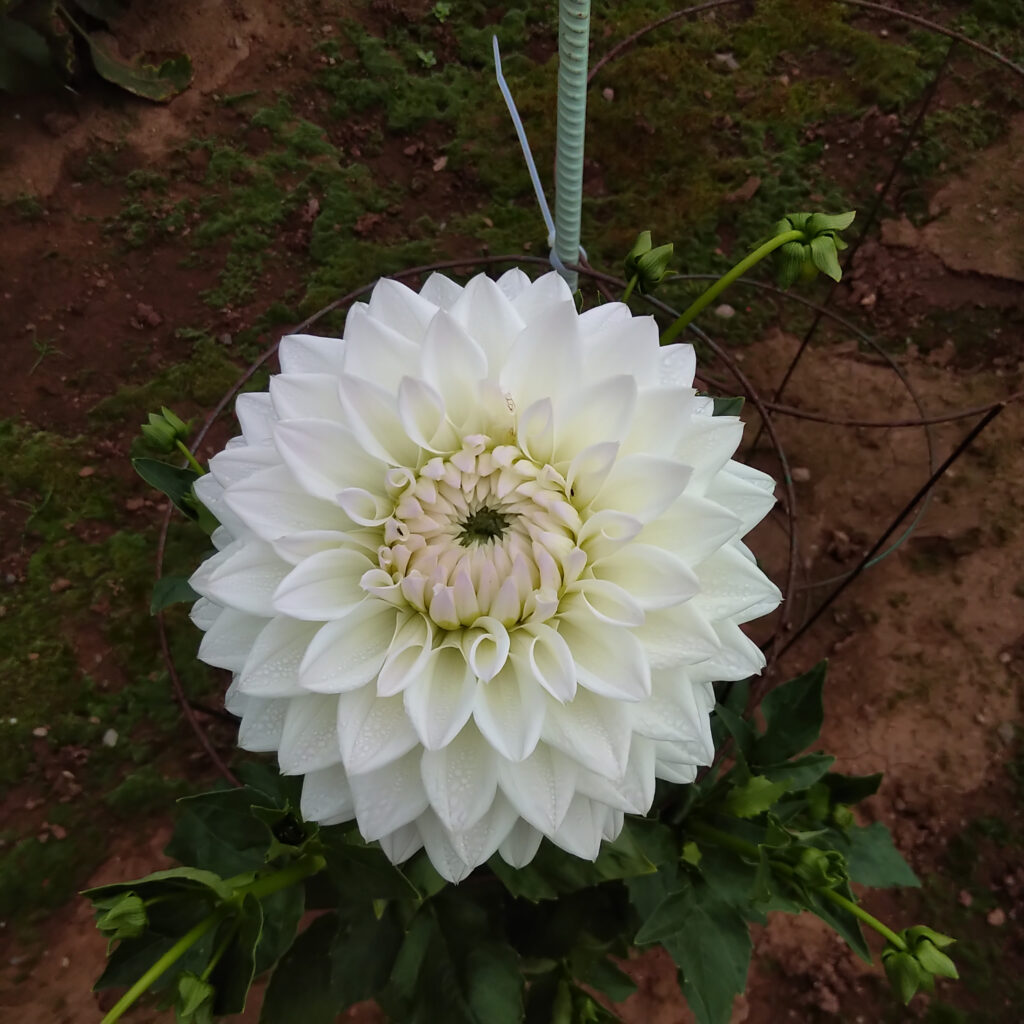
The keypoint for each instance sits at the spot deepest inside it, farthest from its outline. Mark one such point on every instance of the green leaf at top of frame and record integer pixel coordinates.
(25, 58)
(793, 714)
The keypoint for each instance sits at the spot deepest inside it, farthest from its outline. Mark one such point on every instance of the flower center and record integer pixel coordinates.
(484, 532)
(483, 525)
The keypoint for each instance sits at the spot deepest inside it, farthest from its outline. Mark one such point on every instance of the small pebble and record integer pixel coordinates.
(40, 731)
(997, 917)
(110, 738)
(725, 311)
(801, 474)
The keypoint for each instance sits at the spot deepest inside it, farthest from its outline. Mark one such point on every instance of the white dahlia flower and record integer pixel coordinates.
(479, 562)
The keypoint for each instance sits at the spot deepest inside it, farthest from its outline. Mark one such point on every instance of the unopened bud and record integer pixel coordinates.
(803, 258)
(164, 430)
(648, 265)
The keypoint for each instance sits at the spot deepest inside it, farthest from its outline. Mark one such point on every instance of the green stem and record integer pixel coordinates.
(861, 914)
(191, 458)
(175, 953)
(723, 282)
(260, 888)
(745, 849)
(629, 288)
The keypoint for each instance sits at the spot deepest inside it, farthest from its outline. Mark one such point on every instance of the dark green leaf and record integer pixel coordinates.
(710, 943)
(409, 962)
(218, 830)
(793, 714)
(606, 977)
(25, 60)
(728, 406)
(873, 860)
(300, 987)
(170, 590)
(363, 955)
(173, 481)
(800, 773)
(159, 82)
(840, 920)
(234, 972)
(738, 728)
(282, 912)
(361, 873)
(183, 879)
(102, 10)
(264, 777)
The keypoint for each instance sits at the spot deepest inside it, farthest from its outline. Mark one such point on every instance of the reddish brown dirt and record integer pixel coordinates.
(927, 650)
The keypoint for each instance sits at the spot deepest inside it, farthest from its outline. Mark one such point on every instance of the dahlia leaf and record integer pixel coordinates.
(728, 406)
(710, 944)
(282, 912)
(300, 987)
(363, 954)
(851, 789)
(793, 714)
(873, 860)
(176, 483)
(800, 773)
(360, 872)
(170, 590)
(232, 976)
(840, 920)
(754, 797)
(605, 976)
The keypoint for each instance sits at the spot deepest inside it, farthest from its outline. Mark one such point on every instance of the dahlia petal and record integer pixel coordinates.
(239, 463)
(400, 308)
(348, 652)
(643, 486)
(486, 647)
(400, 845)
(738, 657)
(298, 396)
(680, 774)
(323, 587)
(513, 283)
(228, 640)
(422, 412)
(375, 351)
(591, 730)
(588, 471)
(246, 580)
(606, 531)
(675, 715)
(678, 635)
(692, 529)
(540, 787)
(272, 668)
(204, 613)
(623, 345)
(634, 792)
(210, 491)
(677, 365)
(389, 798)
(733, 587)
(747, 493)
(544, 359)
(309, 740)
(325, 458)
(453, 364)
(372, 415)
(255, 414)
(272, 504)
(440, 700)
(364, 507)
(654, 577)
(536, 431)
(521, 844)
(538, 298)
(442, 291)
(262, 725)
(236, 703)
(478, 843)
(605, 601)
(509, 712)
(437, 841)
(407, 655)
(460, 779)
(486, 313)
(600, 412)
(601, 317)
(327, 796)
(373, 732)
(541, 653)
(299, 546)
(308, 353)
(610, 661)
(582, 828)
(659, 421)
(707, 446)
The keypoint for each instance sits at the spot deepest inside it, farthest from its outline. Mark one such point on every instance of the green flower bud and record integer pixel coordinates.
(123, 917)
(922, 931)
(195, 1000)
(933, 961)
(164, 430)
(648, 265)
(803, 258)
(842, 817)
(821, 869)
(904, 973)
